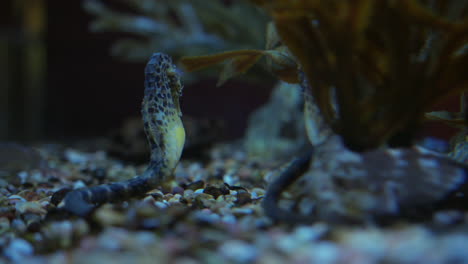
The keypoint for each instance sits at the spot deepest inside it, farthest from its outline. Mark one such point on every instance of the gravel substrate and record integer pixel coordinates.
(211, 213)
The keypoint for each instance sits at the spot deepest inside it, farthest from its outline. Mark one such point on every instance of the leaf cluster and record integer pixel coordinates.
(176, 27)
(387, 61)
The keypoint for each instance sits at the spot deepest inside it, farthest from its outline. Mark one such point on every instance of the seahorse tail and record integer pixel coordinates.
(81, 202)
(294, 170)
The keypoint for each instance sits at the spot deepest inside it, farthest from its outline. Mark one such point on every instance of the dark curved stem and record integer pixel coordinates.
(270, 203)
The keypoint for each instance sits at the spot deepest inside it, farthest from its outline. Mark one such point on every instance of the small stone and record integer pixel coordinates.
(75, 156)
(107, 216)
(18, 225)
(243, 198)
(307, 234)
(230, 179)
(203, 200)
(245, 173)
(79, 184)
(214, 191)
(3, 182)
(58, 233)
(4, 224)
(23, 175)
(156, 194)
(149, 199)
(229, 219)
(161, 205)
(30, 207)
(445, 218)
(150, 223)
(18, 249)
(257, 193)
(196, 185)
(99, 174)
(32, 221)
(206, 216)
(238, 251)
(199, 191)
(189, 194)
(242, 211)
(13, 199)
(178, 190)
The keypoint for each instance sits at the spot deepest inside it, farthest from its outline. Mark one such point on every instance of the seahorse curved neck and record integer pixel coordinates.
(161, 115)
(165, 133)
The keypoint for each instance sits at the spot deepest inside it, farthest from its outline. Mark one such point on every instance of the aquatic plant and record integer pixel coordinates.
(179, 27)
(386, 62)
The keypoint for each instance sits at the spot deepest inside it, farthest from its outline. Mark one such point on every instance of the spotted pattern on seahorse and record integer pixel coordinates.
(165, 133)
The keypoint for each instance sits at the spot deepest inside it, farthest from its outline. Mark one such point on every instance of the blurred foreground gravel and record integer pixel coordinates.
(211, 213)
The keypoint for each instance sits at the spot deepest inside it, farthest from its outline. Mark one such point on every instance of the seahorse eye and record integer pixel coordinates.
(174, 76)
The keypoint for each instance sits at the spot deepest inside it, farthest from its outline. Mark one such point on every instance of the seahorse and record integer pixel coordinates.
(165, 133)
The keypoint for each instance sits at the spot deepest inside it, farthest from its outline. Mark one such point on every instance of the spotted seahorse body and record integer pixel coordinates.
(165, 133)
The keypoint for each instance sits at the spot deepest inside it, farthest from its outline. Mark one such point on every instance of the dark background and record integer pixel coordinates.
(87, 92)
(77, 90)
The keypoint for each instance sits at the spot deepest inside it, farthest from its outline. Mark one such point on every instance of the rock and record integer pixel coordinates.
(18, 250)
(276, 130)
(238, 251)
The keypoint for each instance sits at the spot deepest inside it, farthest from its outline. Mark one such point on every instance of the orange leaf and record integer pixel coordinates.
(195, 63)
(237, 66)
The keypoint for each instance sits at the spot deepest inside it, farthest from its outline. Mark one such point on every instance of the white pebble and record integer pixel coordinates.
(75, 157)
(238, 251)
(18, 249)
(79, 184)
(198, 191)
(161, 205)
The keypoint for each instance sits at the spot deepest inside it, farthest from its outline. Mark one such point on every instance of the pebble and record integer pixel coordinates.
(18, 250)
(241, 211)
(214, 191)
(197, 191)
(18, 225)
(188, 194)
(75, 157)
(64, 233)
(243, 198)
(446, 218)
(206, 221)
(23, 175)
(99, 174)
(324, 253)
(307, 234)
(196, 185)
(238, 251)
(30, 207)
(178, 190)
(4, 224)
(161, 205)
(79, 184)
(175, 199)
(229, 219)
(206, 216)
(13, 199)
(109, 217)
(3, 182)
(231, 179)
